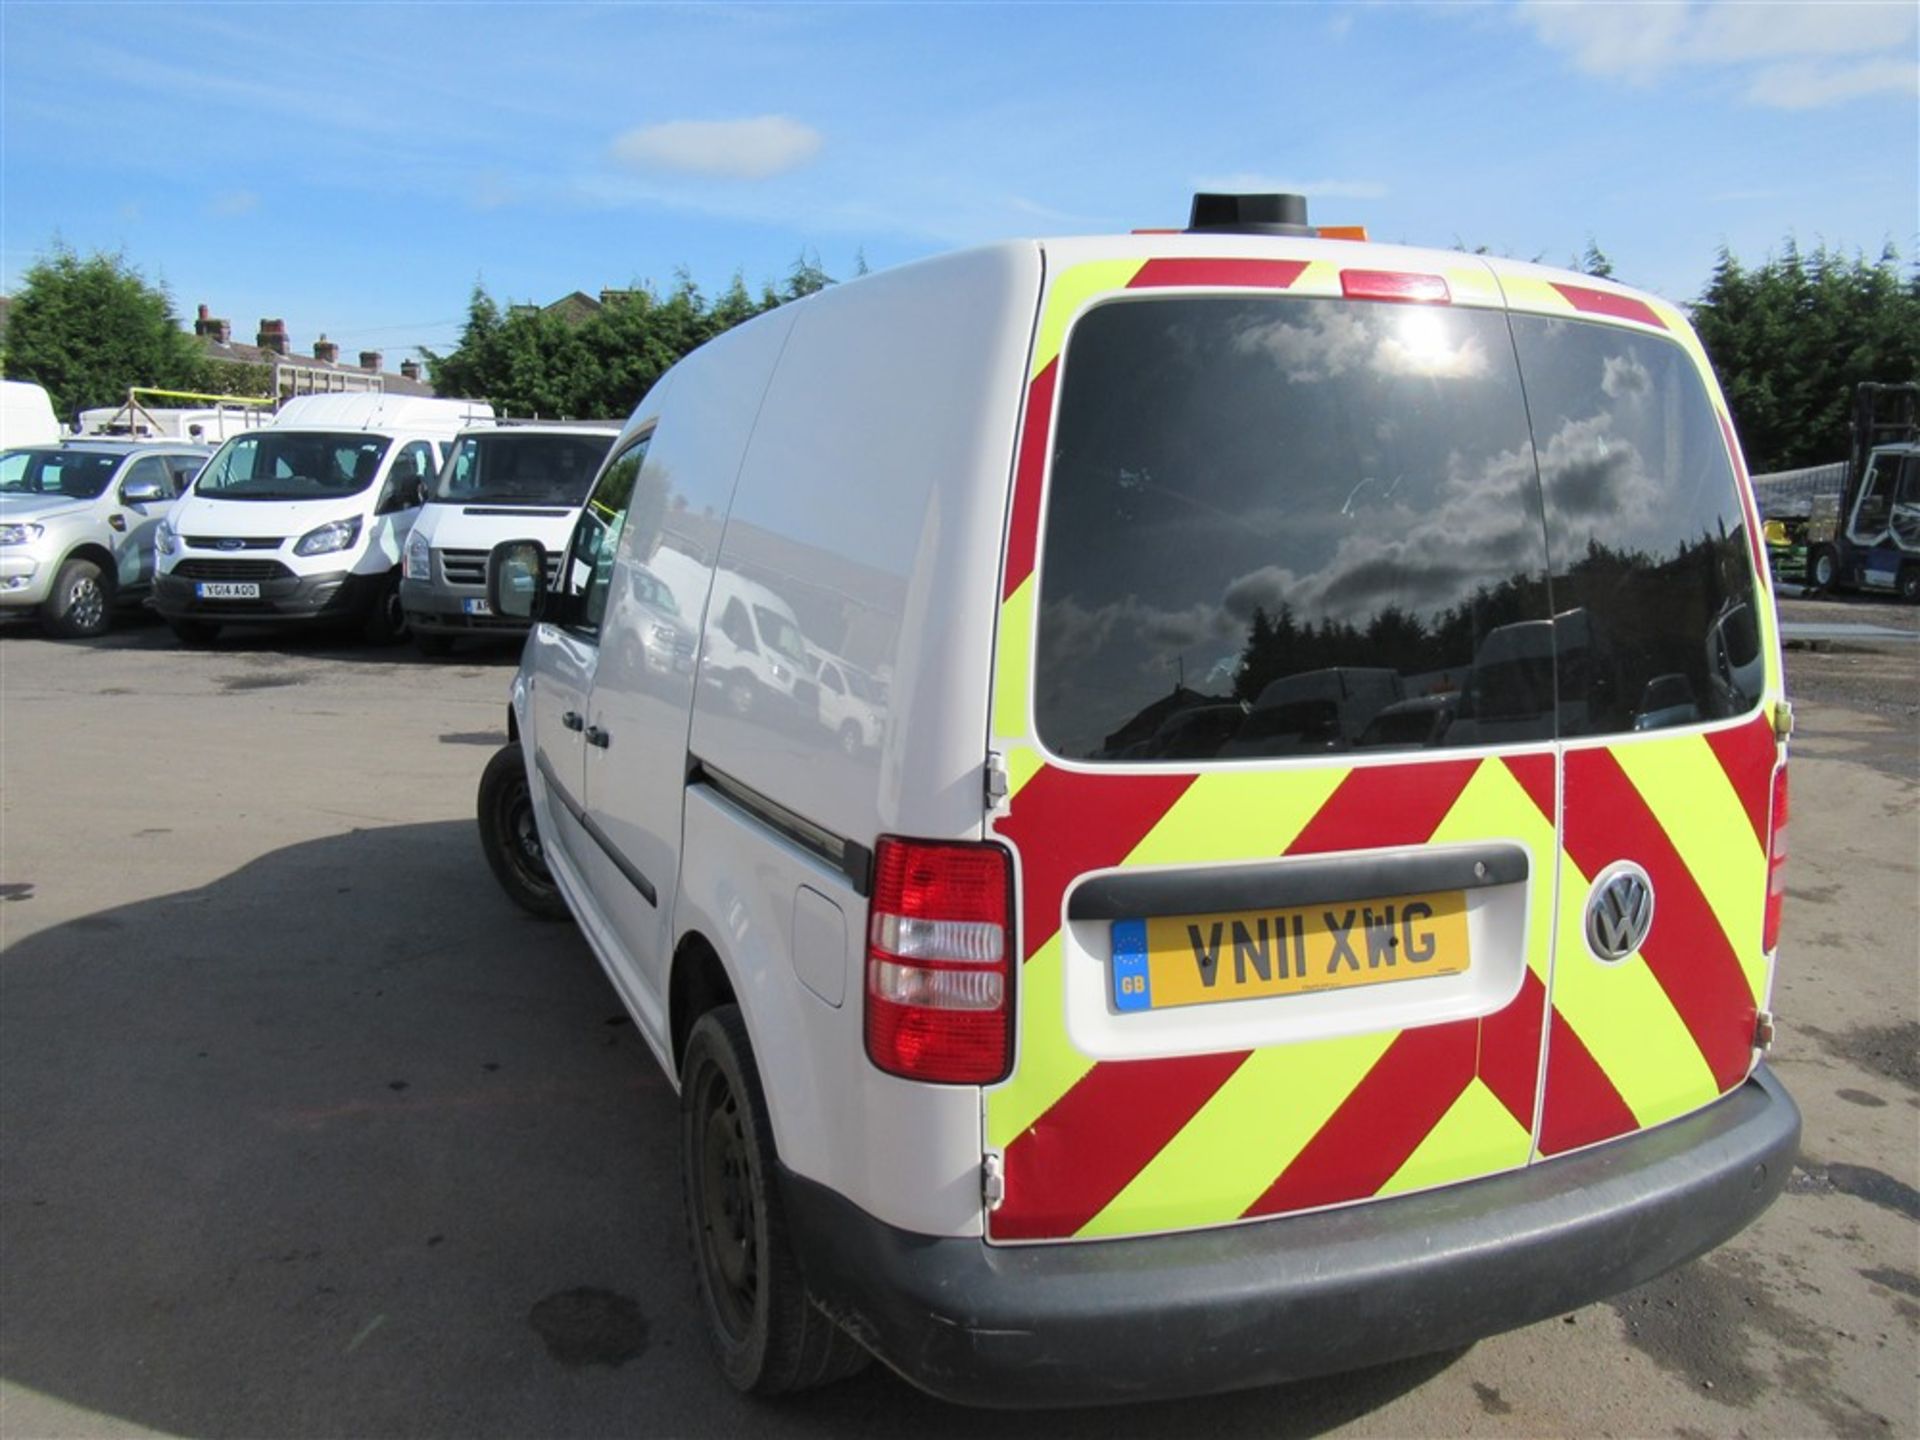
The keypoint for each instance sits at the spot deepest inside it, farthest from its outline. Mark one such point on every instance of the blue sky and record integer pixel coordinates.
(354, 169)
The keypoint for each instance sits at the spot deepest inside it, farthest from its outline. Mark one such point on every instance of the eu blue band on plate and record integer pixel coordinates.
(1132, 982)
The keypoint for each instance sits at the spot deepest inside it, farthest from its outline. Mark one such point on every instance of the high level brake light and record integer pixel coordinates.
(939, 947)
(1776, 863)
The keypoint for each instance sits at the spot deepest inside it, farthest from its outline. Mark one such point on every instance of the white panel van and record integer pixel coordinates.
(1098, 1028)
(302, 521)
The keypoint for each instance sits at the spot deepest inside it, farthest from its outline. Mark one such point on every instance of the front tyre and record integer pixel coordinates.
(386, 622)
(81, 604)
(771, 1338)
(511, 839)
(1822, 568)
(1909, 584)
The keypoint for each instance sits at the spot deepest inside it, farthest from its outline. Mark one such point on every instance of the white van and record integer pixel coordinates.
(303, 521)
(26, 415)
(1050, 1066)
(500, 481)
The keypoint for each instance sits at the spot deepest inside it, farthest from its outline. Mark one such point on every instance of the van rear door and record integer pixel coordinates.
(1287, 959)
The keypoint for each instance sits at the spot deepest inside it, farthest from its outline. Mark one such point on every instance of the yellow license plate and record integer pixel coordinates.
(1171, 960)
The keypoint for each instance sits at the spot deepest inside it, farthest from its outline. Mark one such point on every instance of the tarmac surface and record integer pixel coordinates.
(306, 1131)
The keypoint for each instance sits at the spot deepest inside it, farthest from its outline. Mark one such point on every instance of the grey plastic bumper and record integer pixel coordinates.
(335, 595)
(1284, 1299)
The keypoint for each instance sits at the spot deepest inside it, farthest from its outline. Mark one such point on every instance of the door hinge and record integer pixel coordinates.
(1763, 1031)
(993, 1179)
(996, 780)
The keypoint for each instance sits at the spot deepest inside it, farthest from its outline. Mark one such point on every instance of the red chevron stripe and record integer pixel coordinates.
(1381, 1123)
(1089, 1146)
(1747, 753)
(1067, 823)
(1245, 274)
(1509, 1050)
(1381, 805)
(1604, 302)
(1582, 1106)
(1687, 951)
(1023, 525)
(1535, 774)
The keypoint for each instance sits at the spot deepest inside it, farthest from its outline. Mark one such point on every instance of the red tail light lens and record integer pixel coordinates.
(1776, 862)
(1398, 285)
(939, 958)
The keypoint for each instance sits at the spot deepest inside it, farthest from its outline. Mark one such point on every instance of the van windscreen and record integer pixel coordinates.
(293, 465)
(1302, 512)
(504, 468)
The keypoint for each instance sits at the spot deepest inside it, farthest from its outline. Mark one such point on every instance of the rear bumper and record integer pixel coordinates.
(1284, 1299)
(335, 595)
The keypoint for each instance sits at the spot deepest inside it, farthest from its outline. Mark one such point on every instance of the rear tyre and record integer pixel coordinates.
(742, 694)
(433, 644)
(770, 1337)
(1822, 566)
(511, 839)
(386, 622)
(852, 742)
(1909, 584)
(194, 634)
(81, 605)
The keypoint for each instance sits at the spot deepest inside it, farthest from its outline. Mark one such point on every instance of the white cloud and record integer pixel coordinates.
(1807, 85)
(230, 203)
(1248, 183)
(1794, 56)
(752, 149)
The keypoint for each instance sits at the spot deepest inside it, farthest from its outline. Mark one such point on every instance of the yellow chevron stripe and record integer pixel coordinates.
(1473, 285)
(1251, 1130)
(1477, 1136)
(1023, 763)
(1691, 797)
(1534, 296)
(1624, 1018)
(1013, 661)
(1320, 279)
(1049, 1065)
(1071, 289)
(1495, 806)
(1244, 815)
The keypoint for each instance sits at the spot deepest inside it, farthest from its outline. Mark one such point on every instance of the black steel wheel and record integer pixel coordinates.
(511, 838)
(770, 1336)
(1822, 568)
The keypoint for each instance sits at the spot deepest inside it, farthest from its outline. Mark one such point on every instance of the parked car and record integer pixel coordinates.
(301, 521)
(850, 702)
(498, 482)
(1049, 1071)
(77, 527)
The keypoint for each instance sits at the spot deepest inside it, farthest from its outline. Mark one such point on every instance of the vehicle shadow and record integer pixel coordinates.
(144, 630)
(343, 1144)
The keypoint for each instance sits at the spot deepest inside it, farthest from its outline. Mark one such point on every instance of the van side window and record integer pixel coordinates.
(184, 468)
(596, 539)
(737, 627)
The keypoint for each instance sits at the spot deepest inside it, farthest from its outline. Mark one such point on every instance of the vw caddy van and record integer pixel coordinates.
(77, 527)
(1049, 1067)
(499, 482)
(302, 521)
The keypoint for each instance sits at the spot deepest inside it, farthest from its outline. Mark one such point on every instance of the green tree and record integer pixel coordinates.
(87, 329)
(1595, 262)
(1790, 338)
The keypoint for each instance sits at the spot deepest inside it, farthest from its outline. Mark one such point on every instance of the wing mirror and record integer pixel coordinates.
(517, 579)
(144, 492)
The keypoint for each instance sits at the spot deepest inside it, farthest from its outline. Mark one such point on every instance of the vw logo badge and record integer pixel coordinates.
(228, 542)
(1619, 912)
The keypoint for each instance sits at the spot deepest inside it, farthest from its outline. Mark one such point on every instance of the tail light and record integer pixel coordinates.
(939, 988)
(1776, 862)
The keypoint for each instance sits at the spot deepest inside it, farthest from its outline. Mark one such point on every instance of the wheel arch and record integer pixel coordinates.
(99, 554)
(698, 982)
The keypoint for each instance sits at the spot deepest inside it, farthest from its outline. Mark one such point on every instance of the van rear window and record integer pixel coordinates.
(1286, 526)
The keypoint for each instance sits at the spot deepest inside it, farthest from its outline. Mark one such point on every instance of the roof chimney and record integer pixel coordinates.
(273, 336)
(325, 351)
(208, 327)
(410, 369)
(370, 360)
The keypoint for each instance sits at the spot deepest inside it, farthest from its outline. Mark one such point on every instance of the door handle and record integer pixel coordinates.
(598, 737)
(572, 720)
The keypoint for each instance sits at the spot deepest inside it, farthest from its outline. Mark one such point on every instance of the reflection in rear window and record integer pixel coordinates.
(1287, 526)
